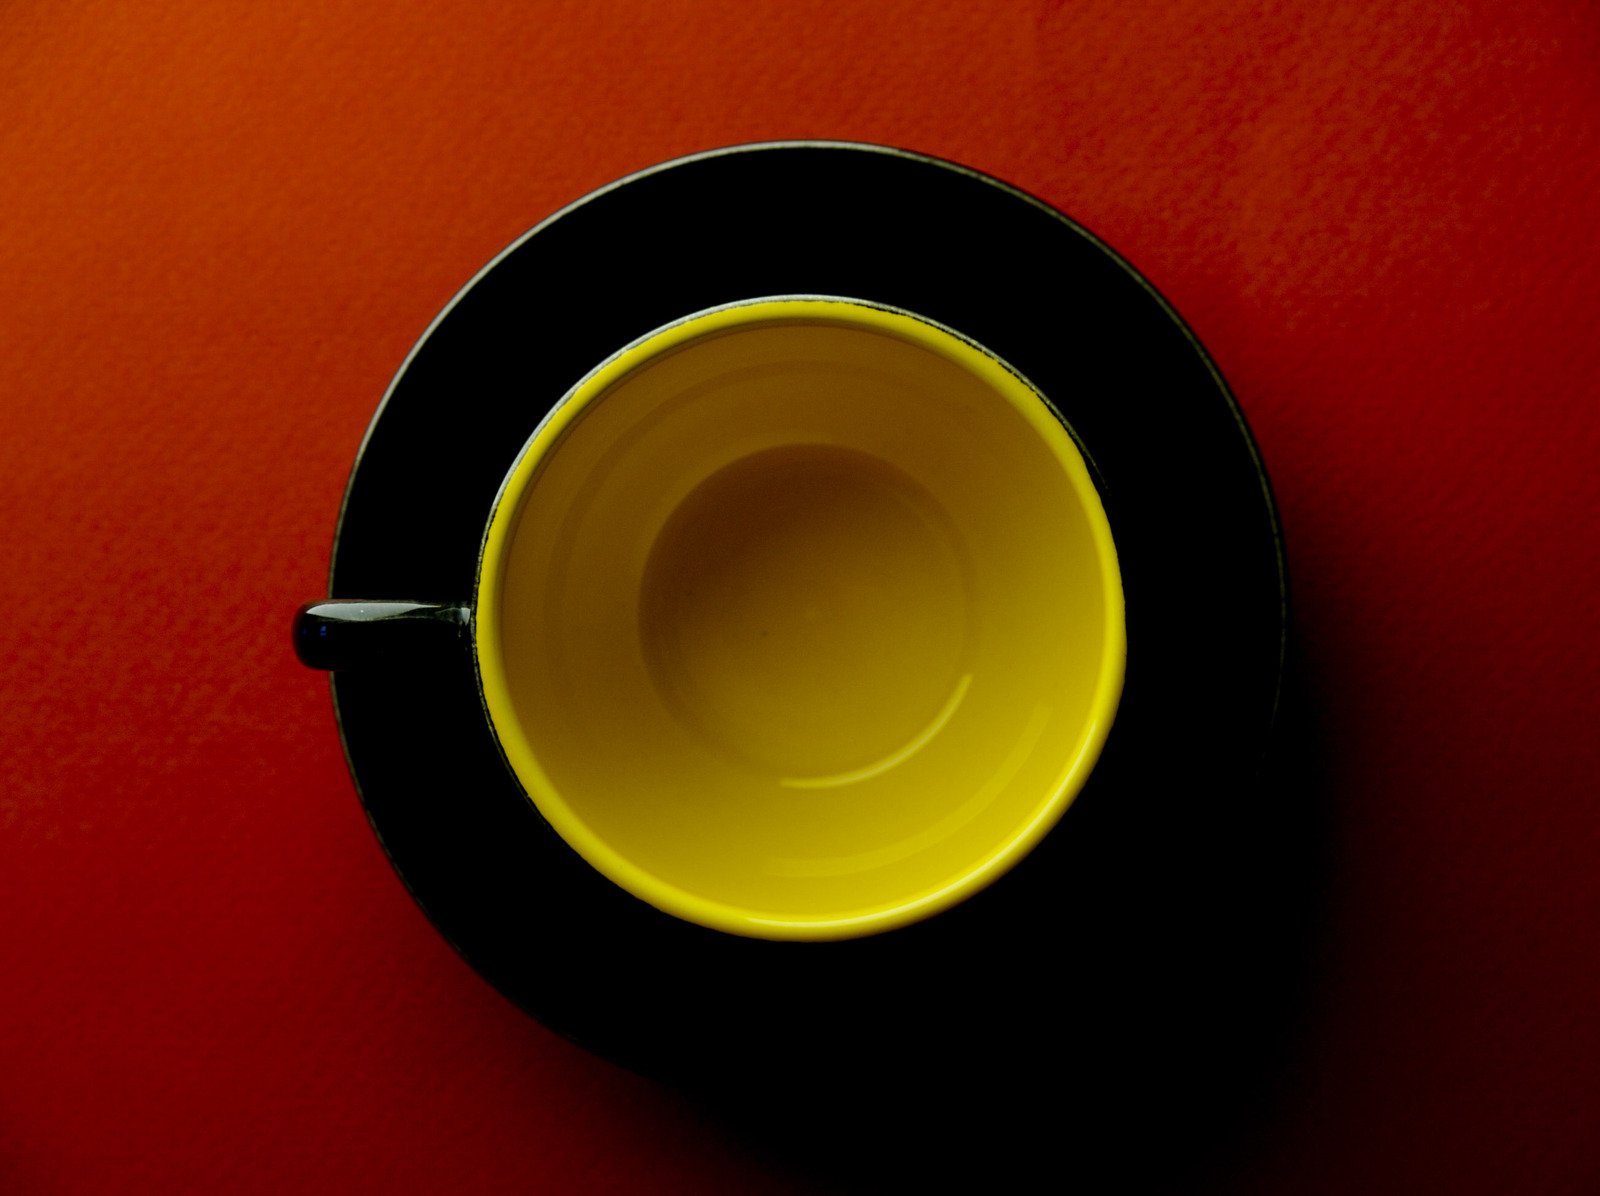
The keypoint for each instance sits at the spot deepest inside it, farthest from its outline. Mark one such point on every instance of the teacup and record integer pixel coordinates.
(797, 618)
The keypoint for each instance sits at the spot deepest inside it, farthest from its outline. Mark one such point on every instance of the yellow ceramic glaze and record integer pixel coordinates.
(801, 618)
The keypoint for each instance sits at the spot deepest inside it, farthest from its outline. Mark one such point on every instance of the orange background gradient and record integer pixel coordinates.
(223, 225)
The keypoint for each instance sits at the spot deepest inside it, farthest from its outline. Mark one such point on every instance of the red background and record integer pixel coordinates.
(221, 228)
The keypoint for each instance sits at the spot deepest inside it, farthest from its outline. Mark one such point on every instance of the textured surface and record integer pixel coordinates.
(221, 229)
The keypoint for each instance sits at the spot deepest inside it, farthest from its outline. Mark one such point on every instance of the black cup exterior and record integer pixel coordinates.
(350, 633)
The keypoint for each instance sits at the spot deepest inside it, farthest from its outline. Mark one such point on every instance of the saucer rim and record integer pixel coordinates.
(708, 948)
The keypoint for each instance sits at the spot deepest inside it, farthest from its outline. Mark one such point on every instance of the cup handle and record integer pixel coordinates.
(345, 633)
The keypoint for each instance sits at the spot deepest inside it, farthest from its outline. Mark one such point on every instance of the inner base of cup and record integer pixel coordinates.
(806, 611)
(802, 621)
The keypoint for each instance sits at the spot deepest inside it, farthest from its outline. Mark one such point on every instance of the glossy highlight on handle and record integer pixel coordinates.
(345, 633)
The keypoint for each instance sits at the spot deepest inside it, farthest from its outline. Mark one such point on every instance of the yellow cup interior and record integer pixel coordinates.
(800, 618)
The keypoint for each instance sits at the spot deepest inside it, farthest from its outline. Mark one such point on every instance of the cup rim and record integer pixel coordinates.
(521, 758)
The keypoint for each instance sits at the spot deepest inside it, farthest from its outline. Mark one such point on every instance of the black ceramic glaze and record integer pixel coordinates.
(1125, 899)
(345, 633)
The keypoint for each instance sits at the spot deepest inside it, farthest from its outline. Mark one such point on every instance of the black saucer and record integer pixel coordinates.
(1120, 884)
